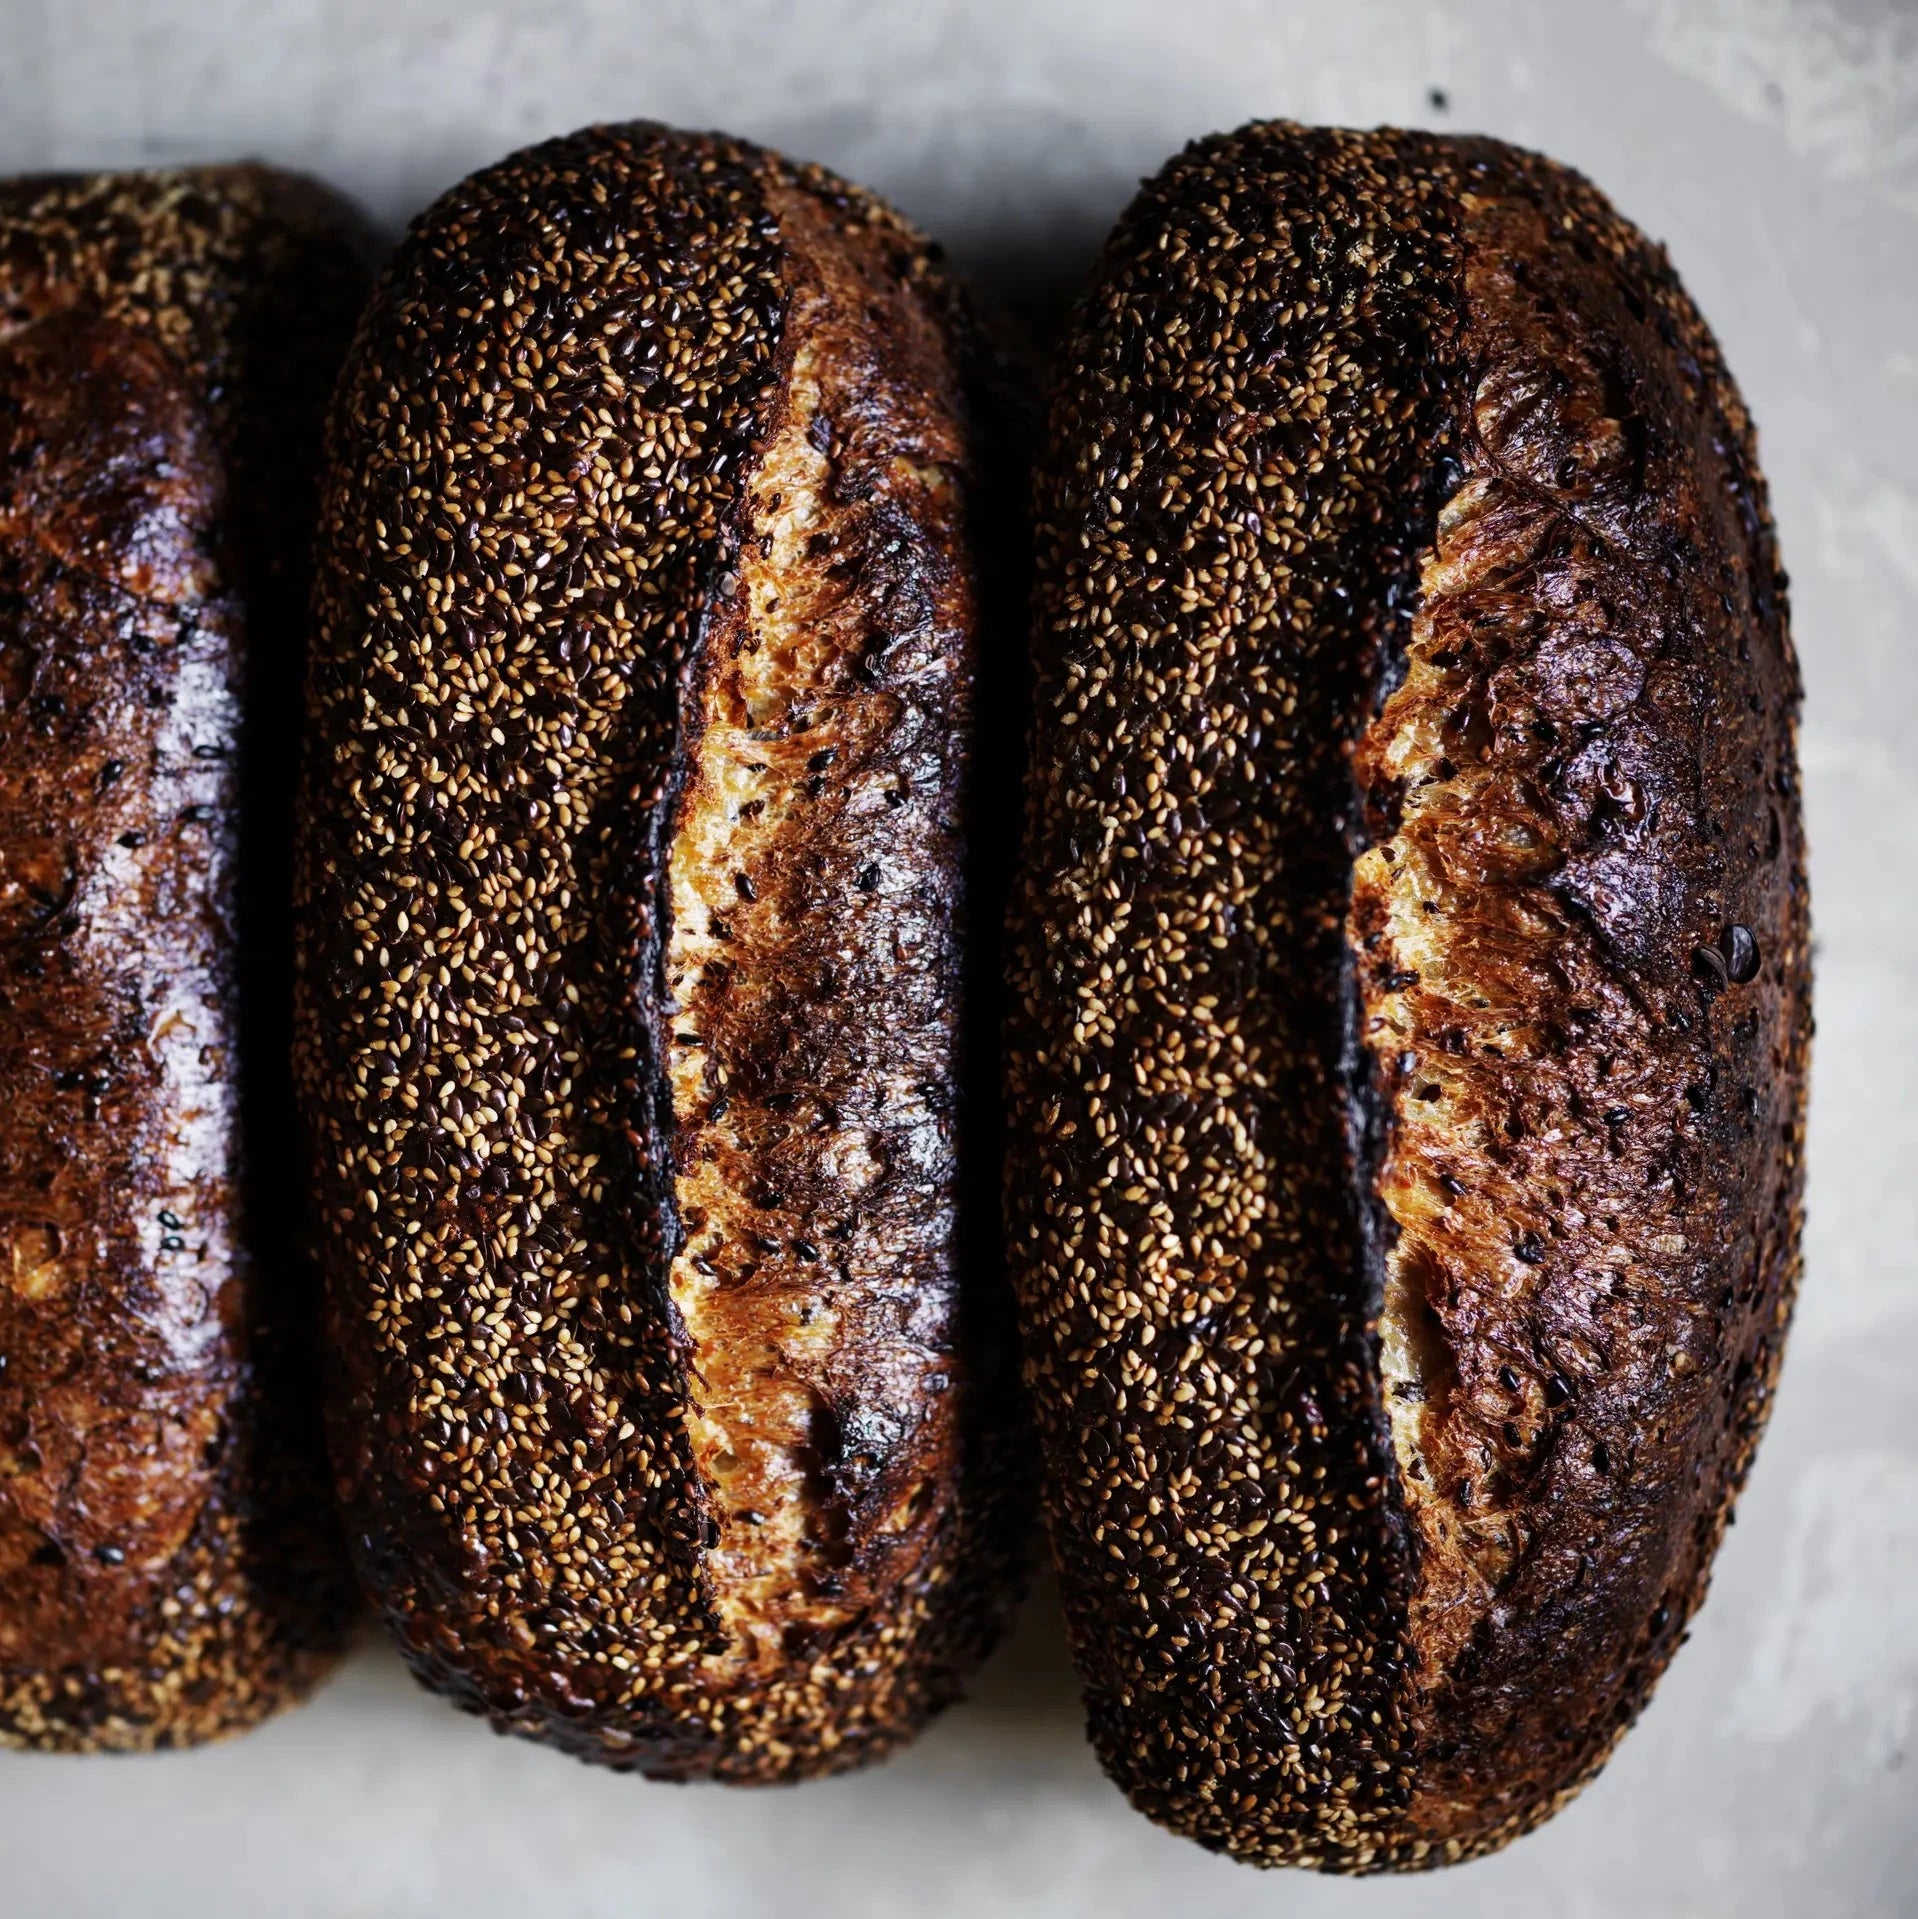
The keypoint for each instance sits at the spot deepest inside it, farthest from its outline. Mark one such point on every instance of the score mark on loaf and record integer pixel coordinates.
(168, 1567)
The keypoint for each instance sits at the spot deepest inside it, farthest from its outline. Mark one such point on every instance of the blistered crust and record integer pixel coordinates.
(1407, 1082)
(1584, 969)
(168, 1569)
(630, 1009)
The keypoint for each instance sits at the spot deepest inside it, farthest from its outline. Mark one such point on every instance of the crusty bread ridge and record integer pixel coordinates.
(1411, 988)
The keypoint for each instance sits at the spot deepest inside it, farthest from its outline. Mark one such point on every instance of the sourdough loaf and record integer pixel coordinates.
(1411, 988)
(633, 1038)
(168, 1565)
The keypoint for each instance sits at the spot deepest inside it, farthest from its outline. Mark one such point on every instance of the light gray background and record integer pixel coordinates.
(1774, 145)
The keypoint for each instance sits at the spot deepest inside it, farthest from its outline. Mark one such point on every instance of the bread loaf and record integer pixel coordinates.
(631, 1031)
(1411, 988)
(168, 1565)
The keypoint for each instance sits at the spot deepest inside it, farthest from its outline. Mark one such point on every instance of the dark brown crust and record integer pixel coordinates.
(1616, 1034)
(168, 1565)
(1247, 1128)
(503, 777)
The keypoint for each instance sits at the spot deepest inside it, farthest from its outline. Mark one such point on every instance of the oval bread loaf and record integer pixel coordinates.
(169, 1568)
(631, 1032)
(1411, 988)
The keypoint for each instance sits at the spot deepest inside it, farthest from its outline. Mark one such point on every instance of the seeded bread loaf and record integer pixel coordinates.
(631, 1024)
(169, 1569)
(1411, 989)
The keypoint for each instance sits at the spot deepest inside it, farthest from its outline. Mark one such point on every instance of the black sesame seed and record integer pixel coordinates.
(1709, 968)
(1741, 954)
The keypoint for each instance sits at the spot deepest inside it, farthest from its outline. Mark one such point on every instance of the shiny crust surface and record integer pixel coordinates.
(168, 1566)
(630, 998)
(1412, 965)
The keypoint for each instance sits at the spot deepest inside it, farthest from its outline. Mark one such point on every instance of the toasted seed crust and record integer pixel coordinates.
(1411, 986)
(169, 1569)
(630, 1016)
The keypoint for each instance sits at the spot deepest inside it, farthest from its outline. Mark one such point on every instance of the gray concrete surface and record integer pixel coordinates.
(1774, 145)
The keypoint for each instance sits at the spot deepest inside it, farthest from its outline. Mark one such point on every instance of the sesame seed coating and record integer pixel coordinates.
(168, 1566)
(1396, 511)
(630, 1005)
